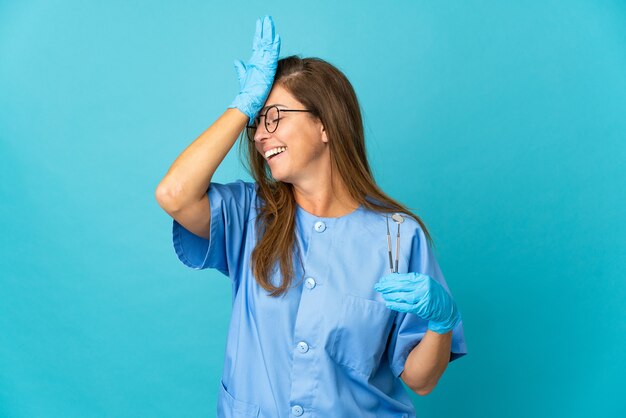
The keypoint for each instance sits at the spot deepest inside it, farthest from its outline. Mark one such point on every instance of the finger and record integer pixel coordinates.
(394, 285)
(276, 44)
(257, 35)
(240, 68)
(420, 276)
(268, 29)
(395, 276)
(402, 297)
(399, 306)
(388, 278)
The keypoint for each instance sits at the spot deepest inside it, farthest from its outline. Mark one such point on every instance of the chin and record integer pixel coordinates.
(280, 175)
(280, 178)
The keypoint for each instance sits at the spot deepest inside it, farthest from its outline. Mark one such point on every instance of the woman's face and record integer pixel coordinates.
(304, 137)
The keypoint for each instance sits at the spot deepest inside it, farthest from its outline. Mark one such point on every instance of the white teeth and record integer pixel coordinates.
(273, 151)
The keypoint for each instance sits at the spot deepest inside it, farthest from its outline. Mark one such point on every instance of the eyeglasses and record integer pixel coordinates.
(271, 117)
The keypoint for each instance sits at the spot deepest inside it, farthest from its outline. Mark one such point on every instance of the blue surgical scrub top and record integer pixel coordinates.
(329, 347)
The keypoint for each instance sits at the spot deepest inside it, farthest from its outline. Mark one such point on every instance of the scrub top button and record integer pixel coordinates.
(320, 226)
(303, 347)
(309, 283)
(297, 410)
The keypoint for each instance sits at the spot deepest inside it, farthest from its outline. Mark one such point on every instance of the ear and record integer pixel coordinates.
(323, 132)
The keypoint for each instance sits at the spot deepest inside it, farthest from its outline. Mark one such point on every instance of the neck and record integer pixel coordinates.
(325, 202)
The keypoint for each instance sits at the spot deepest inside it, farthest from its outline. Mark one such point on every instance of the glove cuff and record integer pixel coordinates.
(445, 326)
(248, 104)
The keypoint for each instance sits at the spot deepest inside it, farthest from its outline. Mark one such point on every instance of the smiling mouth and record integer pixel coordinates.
(271, 157)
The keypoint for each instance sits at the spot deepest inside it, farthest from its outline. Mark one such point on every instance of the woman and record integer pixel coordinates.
(319, 327)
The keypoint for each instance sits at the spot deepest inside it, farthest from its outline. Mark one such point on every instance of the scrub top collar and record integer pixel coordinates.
(305, 216)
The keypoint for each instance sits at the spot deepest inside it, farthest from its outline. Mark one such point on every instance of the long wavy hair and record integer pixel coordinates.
(327, 93)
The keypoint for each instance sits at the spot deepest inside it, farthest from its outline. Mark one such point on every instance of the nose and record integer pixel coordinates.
(261, 134)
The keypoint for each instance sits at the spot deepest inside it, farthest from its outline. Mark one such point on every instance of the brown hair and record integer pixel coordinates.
(327, 93)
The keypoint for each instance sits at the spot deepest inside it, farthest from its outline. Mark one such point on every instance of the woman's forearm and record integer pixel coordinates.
(190, 174)
(427, 362)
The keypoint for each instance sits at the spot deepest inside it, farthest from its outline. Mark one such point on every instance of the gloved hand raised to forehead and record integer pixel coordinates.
(422, 295)
(257, 75)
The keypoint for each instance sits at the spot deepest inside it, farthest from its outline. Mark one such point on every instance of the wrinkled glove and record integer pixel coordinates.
(257, 75)
(422, 295)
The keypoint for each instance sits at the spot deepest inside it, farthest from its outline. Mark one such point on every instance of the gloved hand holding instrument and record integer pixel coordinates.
(417, 293)
(422, 295)
(257, 75)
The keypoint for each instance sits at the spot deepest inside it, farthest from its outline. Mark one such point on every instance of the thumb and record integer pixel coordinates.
(240, 68)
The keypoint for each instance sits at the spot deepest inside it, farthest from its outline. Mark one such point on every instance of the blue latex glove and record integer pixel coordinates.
(257, 75)
(422, 295)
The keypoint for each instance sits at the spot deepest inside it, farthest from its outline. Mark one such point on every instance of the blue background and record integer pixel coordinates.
(500, 123)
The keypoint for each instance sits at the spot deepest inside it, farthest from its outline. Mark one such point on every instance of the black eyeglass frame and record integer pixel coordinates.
(258, 120)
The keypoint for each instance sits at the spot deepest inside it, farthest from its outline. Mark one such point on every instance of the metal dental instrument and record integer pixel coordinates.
(389, 246)
(397, 218)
